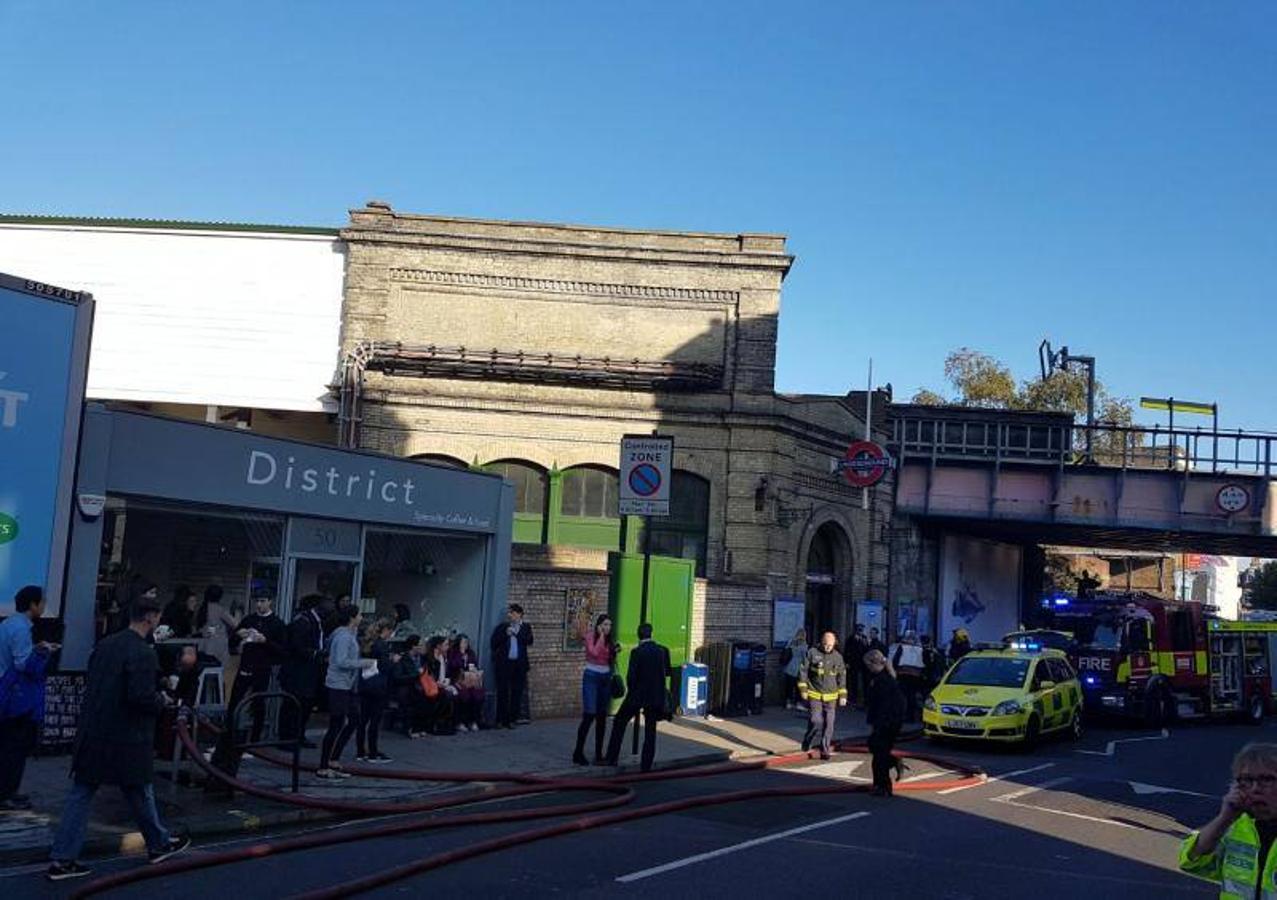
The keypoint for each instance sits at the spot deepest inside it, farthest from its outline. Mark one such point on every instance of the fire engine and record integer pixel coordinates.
(1158, 660)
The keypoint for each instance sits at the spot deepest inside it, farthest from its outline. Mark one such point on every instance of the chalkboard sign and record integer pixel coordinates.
(63, 695)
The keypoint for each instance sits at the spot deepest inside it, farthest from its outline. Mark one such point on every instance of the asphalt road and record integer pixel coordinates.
(1101, 818)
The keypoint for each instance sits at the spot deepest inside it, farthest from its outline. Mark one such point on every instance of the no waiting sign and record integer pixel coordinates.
(646, 467)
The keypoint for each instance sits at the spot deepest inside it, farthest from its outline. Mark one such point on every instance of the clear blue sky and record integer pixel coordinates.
(981, 174)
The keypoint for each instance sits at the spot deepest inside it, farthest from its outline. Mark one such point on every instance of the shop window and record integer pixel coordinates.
(587, 514)
(185, 548)
(684, 533)
(589, 493)
(529, 498)
(437, 579)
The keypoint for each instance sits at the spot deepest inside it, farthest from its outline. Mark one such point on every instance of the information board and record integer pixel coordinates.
(44, 346)
(788, 615)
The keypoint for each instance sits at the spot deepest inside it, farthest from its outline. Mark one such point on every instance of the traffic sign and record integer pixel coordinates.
(865, 463)
(1232, 498)
(646, 468)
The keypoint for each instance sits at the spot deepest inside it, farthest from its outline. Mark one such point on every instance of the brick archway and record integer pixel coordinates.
(824, 570)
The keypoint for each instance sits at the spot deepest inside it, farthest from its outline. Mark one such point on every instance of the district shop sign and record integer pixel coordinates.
(865, 463)
(646, 469)
(44, 349)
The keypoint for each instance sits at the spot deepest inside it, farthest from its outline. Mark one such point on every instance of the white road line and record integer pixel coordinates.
(1025, 791)
(1141, 788)
(1002, 777)
(1112, 745)
(925, 775)
(723, 851)
(1071, 815)
(1012, 799)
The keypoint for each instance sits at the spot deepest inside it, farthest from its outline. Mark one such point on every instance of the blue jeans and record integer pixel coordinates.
(596, 692)
(69, 840)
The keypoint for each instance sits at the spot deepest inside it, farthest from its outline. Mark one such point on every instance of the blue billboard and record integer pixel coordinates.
(43, 357)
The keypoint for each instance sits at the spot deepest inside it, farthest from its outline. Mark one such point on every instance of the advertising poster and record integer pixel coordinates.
(580, 607)
(979, 588)
(43, 357)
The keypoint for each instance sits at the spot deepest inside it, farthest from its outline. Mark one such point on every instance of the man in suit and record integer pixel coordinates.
(509, 644)
(646, 683)
(115, 742)
(303, 670)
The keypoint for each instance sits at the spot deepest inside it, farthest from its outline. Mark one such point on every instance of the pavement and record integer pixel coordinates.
(1100, 818)
(542, 747)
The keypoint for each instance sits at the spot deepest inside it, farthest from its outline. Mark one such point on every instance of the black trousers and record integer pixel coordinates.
(17, 740)
(511, 682)
(619, 724)
(369, 731)
(225, 757)
(292, 723)
(881, 741)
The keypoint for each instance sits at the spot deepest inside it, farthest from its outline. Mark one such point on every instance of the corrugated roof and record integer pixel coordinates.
(161, 224)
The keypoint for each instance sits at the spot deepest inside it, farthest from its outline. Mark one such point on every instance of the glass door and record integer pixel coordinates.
(330, 578)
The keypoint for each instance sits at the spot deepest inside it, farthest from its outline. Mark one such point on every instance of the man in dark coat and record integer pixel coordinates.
(115, 743)
(303, 671)
(885, 714)
(509, 644)
(646, 682)
(262, 639)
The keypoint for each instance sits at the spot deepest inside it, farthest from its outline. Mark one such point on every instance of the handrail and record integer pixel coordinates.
(1120, 446)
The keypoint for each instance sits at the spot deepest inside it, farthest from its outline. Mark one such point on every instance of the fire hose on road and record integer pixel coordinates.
(580, 816)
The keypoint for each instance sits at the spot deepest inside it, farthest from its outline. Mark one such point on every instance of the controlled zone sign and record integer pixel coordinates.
(646, 469)
(864, 464)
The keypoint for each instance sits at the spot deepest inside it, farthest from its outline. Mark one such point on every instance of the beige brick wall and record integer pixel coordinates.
(613, 292)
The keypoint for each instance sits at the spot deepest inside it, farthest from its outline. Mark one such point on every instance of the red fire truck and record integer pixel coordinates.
(1158, 660)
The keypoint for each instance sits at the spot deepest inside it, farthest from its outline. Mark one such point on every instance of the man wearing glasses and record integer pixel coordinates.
(1235, 848)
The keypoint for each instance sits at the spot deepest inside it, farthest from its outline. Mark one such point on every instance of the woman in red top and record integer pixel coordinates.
(596, 688)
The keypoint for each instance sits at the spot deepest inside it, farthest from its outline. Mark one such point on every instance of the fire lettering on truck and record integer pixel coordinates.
(1095, 663)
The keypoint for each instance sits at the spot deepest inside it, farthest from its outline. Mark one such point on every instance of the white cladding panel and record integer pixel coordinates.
(247, 319)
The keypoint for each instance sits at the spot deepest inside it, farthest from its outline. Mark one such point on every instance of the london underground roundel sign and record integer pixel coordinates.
(864, 464)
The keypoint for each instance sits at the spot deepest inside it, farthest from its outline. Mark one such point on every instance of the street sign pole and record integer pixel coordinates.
(646, 474)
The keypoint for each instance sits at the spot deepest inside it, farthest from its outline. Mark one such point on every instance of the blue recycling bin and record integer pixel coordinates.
(694, 696)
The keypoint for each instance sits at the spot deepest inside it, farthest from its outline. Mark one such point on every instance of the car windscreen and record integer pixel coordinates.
(989, 671)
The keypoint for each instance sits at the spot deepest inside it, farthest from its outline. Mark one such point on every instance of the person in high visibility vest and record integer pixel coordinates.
(1235, 849)
(822, 682)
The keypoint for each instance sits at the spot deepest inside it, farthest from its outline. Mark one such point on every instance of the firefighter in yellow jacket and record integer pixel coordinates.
(1235, 849)
(822, 682)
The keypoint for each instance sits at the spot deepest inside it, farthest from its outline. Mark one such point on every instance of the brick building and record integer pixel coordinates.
(526, 348)
(533, 348)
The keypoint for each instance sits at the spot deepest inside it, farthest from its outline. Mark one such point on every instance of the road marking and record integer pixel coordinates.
(1025, 791)
(1140, 787)
(1112, 745)
(1002, 777)
(723, 851)
(1012, 798)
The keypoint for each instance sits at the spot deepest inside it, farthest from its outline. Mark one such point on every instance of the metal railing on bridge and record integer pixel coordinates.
(995, 439)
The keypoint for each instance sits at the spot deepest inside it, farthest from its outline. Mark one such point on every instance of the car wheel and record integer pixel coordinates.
(1075, 727)
(1255, 712)
(1032, 732)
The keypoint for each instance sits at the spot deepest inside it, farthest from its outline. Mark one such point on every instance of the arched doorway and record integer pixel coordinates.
(826, 574)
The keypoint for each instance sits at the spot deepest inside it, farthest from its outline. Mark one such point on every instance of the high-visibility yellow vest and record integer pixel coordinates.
(1235, 864)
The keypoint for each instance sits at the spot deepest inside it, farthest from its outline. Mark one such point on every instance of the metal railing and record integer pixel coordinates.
(1123, 446)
